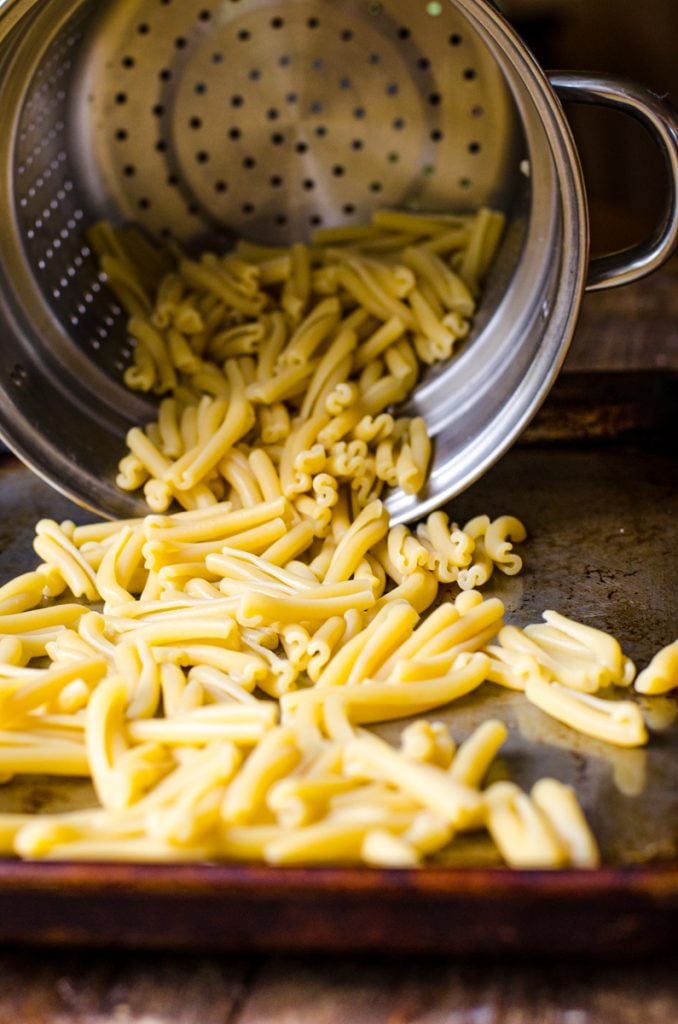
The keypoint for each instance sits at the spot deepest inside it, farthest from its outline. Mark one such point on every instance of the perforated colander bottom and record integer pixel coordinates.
(269, 119)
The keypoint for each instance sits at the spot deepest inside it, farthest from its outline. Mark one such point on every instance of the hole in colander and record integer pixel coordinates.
(161, 146)
(217, 57)
(164, 74)
(202, 156)
(249, 162)
(127, 62)
(121, 134)
(281, 219)
(321, 131)
(144, 28)
(272, 114)
(247, 208)
(359, 113)
(348, 208)
(200, 88)
(315, 219)
(455, 39)
(244, 35)
(357, 144)
(120, 98)
(301, 147)
(477, 111)
(346, 35)
(237, 100)
(465, 183)
(436, 135)
(376, 186)
(469, 74)
(129, 170)
(234, 133)
(434, 99)
(277, 139)
(144, 203)
(338, 170)
(19, 375)
(312, 23)
(308, 184)
(158, 110)
(277, 22)
(403, 32)
(474, 147)
(205, 15)
(275, 181)
(220, 186)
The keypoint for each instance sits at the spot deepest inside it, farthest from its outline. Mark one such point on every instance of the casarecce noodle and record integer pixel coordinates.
(214, 670)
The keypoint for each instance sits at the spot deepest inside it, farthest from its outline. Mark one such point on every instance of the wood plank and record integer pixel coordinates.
(630, 328)
(435, 991)
(83, 988)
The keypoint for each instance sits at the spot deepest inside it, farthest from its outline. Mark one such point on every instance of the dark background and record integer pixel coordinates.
(625, 176)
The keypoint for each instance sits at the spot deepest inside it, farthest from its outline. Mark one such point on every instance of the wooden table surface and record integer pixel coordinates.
(634, 328)
(77, 987)
(80, 988)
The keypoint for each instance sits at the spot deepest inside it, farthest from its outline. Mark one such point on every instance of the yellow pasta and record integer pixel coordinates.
(618, 722)
(661, 675)
(213, 670)
(523, 834)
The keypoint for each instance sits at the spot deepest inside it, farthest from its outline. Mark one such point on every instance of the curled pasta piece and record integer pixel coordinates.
(661, 675)
(559, 804)
(454, 803)
(428, 741)
(618, 722)
(311, 332)
(498, 537)
(52, 544)
(476, 753)
(523, 834)
(368, 528)
(272, 759)
(574, 668)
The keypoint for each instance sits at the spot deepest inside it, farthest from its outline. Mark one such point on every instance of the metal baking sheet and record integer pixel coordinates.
(601, 518)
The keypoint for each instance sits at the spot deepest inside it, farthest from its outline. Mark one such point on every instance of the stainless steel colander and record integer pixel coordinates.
(206, 120)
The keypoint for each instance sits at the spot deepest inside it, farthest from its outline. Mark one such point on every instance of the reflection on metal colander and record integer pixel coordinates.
(270, 119)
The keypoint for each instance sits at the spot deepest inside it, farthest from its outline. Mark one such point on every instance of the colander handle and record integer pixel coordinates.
(661, 123)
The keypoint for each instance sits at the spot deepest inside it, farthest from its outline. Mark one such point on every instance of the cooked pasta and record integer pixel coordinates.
(215, 667)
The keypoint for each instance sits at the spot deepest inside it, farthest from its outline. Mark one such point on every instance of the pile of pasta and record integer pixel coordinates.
(280, 369)
(216, 666)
